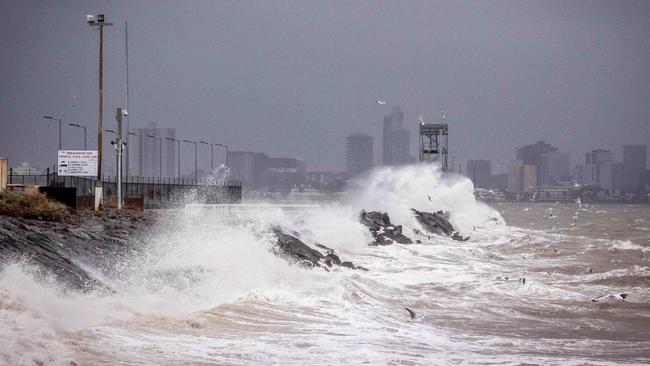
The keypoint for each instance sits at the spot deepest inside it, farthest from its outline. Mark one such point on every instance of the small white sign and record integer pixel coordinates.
(80, 163)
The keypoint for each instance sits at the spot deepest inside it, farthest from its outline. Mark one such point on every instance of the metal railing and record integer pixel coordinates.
(156, 192)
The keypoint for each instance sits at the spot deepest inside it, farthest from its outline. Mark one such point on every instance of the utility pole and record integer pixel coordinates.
(119, 147)
(100, 24)
(128, 120)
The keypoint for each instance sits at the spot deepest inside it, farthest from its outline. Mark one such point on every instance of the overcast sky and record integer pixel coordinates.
(294, 78)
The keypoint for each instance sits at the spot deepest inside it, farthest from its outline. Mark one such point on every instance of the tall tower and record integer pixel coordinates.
(434, 144)
(359, 153)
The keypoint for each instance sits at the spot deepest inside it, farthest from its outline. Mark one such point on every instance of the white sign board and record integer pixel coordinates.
(79, 163)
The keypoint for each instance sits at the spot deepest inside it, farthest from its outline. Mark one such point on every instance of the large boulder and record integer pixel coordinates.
(295, 250)
(437, 223)
(383, 231)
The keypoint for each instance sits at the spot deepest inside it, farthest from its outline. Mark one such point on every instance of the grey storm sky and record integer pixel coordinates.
(294, 78)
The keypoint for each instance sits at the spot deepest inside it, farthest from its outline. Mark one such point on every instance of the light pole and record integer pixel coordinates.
(211, 155)
(59, 120)
(119, 147)
(195, 161)
(226, 146)
(160, 155)
(178, 152)
(84, 127)
(99, 23)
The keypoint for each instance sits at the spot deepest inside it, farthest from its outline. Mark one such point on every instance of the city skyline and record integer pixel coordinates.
(283, 77)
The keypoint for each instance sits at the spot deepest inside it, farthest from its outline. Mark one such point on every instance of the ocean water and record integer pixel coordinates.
(519, 291)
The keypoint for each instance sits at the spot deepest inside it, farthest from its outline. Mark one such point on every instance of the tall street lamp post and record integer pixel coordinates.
(226, 146)
(178, 152)
(195, 161)
(99, 23)
(211, 155)
(58, 120)
(84, 127)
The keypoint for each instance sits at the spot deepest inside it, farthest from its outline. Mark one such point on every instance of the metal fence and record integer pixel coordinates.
(156, 192)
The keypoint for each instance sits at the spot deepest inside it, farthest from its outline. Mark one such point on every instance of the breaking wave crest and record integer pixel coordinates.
(206, 292)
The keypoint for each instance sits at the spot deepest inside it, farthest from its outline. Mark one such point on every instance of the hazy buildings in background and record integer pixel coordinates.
(532, 154)
(521, 177)
(396, 139)
(480, 172)
(358, 153)
(635, 161)
(597, 169)
(258, 171)
(555, 167)
(149, 154)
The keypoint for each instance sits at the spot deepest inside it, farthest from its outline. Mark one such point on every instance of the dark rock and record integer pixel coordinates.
(384, 232)
(438, 223)
(295, 250)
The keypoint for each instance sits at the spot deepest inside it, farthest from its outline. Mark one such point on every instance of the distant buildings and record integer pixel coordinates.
(521, 177)
(359, 153)
(257, 170)
(149, 151)
(597, 170)
(396, 139)
(532, 154)
(635, 162)
(480, 172)
(554, 167)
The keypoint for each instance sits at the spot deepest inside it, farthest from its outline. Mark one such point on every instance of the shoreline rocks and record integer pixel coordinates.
(384, 232)
(292, 248)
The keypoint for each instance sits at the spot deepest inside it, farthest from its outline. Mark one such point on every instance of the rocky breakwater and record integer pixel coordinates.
(295, 250)
(74, 250)
(385, 233)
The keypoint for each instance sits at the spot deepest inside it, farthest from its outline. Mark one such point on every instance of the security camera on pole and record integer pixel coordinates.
(119, 147)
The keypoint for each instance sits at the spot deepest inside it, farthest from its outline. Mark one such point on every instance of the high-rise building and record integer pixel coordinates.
(635, 161)
(598, 169)
(521, 177)
(554, 167)
(396, 138)
(246, 166)
(480, 172)
(282, 173)
(599, 156)
(359, 153)
(532, 154)
(149, 151)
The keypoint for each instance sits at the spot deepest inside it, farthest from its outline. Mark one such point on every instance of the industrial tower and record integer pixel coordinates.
(434, 142)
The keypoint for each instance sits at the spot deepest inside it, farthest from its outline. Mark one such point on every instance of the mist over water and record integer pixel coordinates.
(203, 291)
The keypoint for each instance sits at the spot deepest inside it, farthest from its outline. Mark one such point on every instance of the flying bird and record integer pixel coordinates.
(382, 102)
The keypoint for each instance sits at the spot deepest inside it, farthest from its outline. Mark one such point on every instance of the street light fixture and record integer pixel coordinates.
(99, 23)
(59, 120)
(84, 127)
(178, 152)
(195, 157)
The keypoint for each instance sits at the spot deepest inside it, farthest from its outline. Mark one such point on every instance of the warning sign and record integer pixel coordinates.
(80, 163)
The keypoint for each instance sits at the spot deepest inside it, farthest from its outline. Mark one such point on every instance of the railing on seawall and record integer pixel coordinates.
(235, 212)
